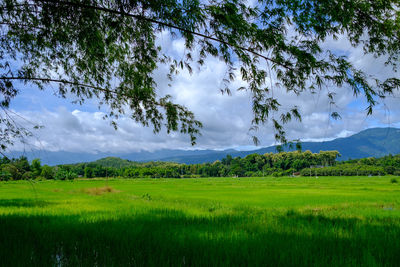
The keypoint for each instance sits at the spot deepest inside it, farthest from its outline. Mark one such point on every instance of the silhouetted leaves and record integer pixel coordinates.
(107, 50)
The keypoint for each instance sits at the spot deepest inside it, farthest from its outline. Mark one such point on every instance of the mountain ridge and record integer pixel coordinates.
(372, 142)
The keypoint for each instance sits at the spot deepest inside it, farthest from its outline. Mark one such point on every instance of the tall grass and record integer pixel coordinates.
(201, 222)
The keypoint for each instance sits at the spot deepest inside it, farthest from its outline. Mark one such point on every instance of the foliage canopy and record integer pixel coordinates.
(108, 50)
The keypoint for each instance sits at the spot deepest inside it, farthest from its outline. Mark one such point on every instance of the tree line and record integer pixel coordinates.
(21, 169)
(366, 166)
(294, 163)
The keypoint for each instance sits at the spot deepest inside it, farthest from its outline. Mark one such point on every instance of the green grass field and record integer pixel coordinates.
(331, 221)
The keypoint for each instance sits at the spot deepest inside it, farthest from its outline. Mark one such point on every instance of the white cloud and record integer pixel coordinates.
(226, 119)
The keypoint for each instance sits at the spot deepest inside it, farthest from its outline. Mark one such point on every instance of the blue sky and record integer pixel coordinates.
(226, 119)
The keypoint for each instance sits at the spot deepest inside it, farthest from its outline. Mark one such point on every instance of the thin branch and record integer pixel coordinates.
(58, 81)
(71, 83)
(21, 25)
(4, 155)
(140, 17)
(373, 19)
(9, 118)
(16, 114)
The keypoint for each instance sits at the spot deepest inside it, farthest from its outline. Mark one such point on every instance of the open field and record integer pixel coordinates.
(330, 221)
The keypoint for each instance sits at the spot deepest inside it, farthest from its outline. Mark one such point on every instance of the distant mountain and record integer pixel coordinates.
(65, 157)
(374, 142)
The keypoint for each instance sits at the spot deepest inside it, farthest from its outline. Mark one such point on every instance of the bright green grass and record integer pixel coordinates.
(330, 221)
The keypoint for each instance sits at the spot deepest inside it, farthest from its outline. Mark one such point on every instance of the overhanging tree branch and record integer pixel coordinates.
(85, 45)
(168, 25)
(162, 104)
(57, 81)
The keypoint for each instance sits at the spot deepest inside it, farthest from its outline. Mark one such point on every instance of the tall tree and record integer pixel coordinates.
(107, 49)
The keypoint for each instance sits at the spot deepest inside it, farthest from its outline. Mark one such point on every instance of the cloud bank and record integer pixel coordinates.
(226, 119)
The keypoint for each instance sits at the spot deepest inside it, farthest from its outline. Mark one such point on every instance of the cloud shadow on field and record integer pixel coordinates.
(24, 202)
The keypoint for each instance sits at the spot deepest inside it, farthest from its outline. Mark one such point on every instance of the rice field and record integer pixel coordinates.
(329, 221)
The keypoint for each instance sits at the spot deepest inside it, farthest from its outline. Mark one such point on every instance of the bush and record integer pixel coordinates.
(47, 172)
(36, 167)
(5, 176)
(28, 176)
(389, 169)
(132, 173)
(345, 170)
(289, 172)
(190, 176)
(277, 174)
(257, 174)
(12, 170)
(62, 174)
(305, 172)
(393, 181)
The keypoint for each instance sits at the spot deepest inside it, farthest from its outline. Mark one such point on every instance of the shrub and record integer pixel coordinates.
(5, 176)
(131, 173)
(47, 172)
(70, 175)
(277, 174)
(64, 174)
(393, 181)
(28, 176)
(344, 170)
(36, 167)
(11, 169)
(289, 172)
(389, 169)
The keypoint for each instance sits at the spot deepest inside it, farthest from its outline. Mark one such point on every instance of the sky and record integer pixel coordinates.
(226, 119)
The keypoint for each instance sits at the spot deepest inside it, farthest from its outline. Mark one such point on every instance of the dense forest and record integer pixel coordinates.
(295, 163)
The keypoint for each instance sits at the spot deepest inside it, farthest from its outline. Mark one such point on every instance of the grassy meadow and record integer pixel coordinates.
(329, 221)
